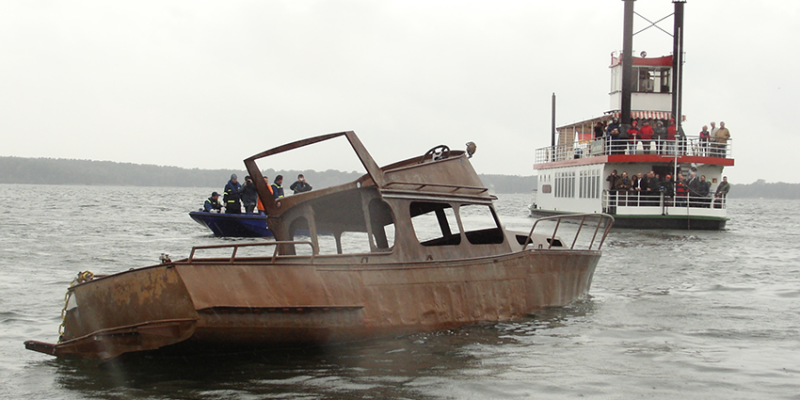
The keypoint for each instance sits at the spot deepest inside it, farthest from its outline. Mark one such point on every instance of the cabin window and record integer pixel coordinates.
(355, 242)
(353, 237)
(380, 216)
(435, 224)
(299, 232)
(652, 80)
(326, 242)
(480, 224)
(565, 184)
(589, 184)
(547, 188)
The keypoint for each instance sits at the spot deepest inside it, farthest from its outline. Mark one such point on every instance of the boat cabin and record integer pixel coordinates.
(431, 207)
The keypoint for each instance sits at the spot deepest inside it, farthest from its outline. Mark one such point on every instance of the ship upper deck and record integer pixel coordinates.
(600, 151)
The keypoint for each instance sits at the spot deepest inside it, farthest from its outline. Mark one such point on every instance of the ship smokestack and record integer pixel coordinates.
(627, 65)
(553, 129)
(677, 64)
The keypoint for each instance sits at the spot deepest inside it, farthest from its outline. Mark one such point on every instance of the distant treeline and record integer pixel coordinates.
(50, 171)
(761, 188)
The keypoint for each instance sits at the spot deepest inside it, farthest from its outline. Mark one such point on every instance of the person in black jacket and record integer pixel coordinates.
(300, 186)
(232, 196)
(277, 189)
(249, 195)
(695, 188)
(212, 203)
(665, 186)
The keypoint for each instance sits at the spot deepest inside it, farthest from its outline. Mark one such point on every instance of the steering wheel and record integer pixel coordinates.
(437, 153)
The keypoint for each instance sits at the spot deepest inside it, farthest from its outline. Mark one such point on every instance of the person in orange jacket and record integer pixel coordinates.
(260, 206)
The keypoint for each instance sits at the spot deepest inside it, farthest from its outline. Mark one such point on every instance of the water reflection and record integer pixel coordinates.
(412, 366)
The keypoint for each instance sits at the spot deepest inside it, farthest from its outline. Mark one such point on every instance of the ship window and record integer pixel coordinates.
(547, 188)
(355, 242)
(565, 184)
(666, 81)
(380, 216)
(480, 224)
(299, 231)
(645, 80)
(651, 80)
(589, 184)
(435, 224)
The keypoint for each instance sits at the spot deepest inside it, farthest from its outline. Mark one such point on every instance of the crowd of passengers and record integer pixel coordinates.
(648, 188)
(663, 135)
(236, 194)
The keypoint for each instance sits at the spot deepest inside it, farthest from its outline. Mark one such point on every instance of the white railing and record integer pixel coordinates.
(614, 199)
(691, 146)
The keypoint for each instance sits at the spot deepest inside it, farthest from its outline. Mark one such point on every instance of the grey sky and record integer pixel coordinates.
(205, 84)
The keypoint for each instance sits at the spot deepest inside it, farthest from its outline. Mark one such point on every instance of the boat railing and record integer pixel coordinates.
(690, 146)
(598, 224)
(235, 249)
(619, 198)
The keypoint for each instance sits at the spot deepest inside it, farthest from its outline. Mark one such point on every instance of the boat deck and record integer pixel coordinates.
(599, 151)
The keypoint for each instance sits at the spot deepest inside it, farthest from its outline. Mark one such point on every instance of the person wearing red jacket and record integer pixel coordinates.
(633, 137)
(646, 134)
(671, 130)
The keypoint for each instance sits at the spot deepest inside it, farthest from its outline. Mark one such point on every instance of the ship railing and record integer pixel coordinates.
(235, 249)
(690, 146)
(618, 198)
(588, 224)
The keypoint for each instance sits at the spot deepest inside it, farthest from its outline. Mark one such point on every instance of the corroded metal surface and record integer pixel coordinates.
(298, 294)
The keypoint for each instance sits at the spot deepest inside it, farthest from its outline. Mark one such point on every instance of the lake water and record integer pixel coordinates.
(672, 314)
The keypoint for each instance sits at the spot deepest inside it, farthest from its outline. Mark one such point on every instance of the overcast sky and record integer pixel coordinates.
(205, 84)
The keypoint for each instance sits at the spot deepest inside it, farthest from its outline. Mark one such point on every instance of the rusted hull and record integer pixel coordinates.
(259, 304)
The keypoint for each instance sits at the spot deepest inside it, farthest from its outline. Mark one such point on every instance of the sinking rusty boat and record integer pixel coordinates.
(379, 273)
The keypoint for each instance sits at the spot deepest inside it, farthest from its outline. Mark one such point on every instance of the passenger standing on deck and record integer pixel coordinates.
(212, 203)
(681, 190)
(671, 131)
(652, 189)
(694, 186)
(300, 185)
(722, 136)
(704, 138)
(666, 186)
(624, 183)
(612, 182)
(640, 183)
(614, 124)
(259, 204)
(723, 188)
(705, 187)
(277, 189)
(633, 134)
(599, 129)
(713, 139)
(647, 135)
(660, 136)
(623, 186)
(612, 136)
(232, 196)
(614, 143)
(249, 195)
(639, 186)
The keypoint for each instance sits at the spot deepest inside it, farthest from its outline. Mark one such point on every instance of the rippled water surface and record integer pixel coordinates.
(672, 314)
